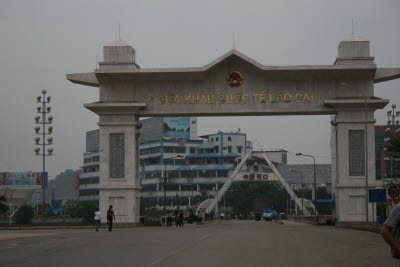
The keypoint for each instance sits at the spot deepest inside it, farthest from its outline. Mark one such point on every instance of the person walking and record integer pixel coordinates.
(176, 217)
(180, 219)
(110, 218)
(392, 238)
(169, 219)
(97, 219)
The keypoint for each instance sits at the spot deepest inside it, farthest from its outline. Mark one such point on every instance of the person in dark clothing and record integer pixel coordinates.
(110, 217)
(169, 219)
(177, 217)
(180, 219)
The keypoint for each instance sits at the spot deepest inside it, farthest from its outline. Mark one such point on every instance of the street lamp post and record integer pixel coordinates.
(191, 200)
(315, 181)
(165, 181)
(43, 120)
(302, 197)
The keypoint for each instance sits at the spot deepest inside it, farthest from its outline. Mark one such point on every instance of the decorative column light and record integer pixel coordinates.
(43, 131)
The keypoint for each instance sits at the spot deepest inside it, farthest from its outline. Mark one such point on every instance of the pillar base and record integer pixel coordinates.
(125, 202)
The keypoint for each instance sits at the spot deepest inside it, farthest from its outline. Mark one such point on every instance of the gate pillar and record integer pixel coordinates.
(350, 128)
(119, 177)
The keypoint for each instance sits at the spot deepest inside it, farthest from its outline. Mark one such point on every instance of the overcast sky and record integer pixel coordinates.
(42, 41)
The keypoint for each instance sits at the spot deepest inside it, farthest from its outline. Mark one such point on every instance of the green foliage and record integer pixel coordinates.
(242, 194)
(146, 204)
(394, 144)
(3, 205)
(85, 210)
(24, 214)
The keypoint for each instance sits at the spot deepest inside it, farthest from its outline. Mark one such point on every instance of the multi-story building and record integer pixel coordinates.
(89, 177)
(302, 175)
(190, 169)
(386, 166)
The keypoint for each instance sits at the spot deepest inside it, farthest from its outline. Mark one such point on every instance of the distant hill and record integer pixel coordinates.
(64, 185)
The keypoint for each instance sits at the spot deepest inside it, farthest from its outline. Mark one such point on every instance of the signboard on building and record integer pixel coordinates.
(177, 128)
(193, 128)
(377, 195)
(20, 178)
(257, 177)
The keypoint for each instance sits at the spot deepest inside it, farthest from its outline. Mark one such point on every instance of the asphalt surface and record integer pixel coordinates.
(228, 243)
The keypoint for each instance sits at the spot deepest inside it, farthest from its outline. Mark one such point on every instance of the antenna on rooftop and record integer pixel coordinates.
(352, 26)
(96, 60)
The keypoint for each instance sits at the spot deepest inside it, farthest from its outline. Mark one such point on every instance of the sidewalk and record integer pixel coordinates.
(11, 236)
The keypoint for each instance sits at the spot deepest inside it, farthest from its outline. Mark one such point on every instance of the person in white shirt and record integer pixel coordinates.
(97, 219)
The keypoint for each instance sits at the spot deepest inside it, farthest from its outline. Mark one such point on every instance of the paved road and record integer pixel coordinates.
(229, 243)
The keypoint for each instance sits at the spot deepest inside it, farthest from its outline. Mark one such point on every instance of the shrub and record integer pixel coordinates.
(24, 214)
(85, 210)
(3, 205)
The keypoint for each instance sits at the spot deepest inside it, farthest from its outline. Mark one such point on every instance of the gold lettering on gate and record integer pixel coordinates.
(261, 97)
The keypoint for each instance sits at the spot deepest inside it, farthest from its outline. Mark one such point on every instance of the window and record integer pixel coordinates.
(180, 149)
(229, 149)
(169, 149)
(356, 153)
(216, 139)
(217, 149)
(90, 180)
(192, 150)
(222, 173)
(149, 188)
(179, 162)
(188, 174)
(152, 161)
(174, 149)
(89, 192)
(239, 149)
(150, 175)
(229, 138)
(207, 174)
(212, 139)
(224, 147)
(173, 174)
(150, 150)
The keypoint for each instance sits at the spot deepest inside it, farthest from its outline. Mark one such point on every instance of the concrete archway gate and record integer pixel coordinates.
(234, 85)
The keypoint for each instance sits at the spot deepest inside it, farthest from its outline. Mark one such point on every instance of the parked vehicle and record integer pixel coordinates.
(270, 215)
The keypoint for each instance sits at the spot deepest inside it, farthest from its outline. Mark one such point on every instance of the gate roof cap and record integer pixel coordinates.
(355, 38)
(118, 43)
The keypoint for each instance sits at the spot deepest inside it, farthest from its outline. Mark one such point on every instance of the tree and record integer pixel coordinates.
(3, 206)
(85, 210)
(24, 214)
(394, 144)
(241, 196)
